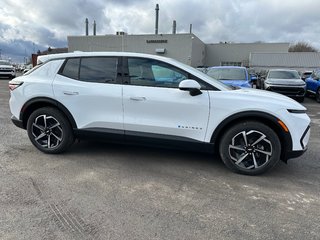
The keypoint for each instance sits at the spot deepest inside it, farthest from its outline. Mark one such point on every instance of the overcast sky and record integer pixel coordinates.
(30, 25)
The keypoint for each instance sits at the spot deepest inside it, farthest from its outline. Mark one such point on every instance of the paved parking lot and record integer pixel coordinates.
(105, 191)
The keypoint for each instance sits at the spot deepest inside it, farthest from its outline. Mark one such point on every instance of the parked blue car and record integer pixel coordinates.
(313, 84)
(231, 75)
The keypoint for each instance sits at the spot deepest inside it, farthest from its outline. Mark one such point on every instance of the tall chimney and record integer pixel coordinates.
(87, 27)
(94, 28)
(157, 19)
(190, 28)
(174, 27)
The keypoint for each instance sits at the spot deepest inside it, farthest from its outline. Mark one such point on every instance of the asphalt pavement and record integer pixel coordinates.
(107, 191)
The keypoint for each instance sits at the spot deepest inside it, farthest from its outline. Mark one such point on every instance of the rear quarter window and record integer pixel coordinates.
(71, 68)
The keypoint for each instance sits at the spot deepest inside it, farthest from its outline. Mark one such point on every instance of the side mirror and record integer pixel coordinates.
(190, 85)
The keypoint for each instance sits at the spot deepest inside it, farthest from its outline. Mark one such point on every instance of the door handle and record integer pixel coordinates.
(70, 93)
(137, 98)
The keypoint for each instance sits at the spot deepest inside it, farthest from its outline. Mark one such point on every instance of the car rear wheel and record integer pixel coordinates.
(250, 148)
(318, 95)
(49, 130)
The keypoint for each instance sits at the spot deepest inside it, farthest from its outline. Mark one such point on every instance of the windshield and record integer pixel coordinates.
(227, 73)
(284, 74)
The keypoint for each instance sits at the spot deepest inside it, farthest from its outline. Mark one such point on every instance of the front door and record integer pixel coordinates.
(154, 105)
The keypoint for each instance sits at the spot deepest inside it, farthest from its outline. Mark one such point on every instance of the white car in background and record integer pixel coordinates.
(7, 69)
(287, 82)
(148, 99)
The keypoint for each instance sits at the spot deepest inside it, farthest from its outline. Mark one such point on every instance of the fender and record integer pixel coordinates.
(266, 118)
(38, 102)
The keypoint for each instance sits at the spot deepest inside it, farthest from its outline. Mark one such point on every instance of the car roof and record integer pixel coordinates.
(288, 70)
(44, 58)
(226, 67)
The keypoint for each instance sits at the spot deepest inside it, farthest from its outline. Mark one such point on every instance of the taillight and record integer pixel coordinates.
(13, 84)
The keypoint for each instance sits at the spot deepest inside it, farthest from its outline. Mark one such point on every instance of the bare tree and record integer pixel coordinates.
(302, 47)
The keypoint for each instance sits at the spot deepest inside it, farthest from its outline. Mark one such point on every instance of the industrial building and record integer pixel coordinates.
(294, 60)
(187, 48)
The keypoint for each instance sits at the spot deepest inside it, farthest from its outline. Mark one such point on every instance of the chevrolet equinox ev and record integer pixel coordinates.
(149, 99)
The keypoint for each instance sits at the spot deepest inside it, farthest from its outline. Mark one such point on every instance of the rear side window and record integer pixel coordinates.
(91, 69)
(100, 69)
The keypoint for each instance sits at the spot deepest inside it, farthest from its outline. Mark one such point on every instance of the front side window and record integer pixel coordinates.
(149, 72)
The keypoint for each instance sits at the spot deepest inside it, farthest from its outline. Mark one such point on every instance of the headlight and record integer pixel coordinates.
(266, 85)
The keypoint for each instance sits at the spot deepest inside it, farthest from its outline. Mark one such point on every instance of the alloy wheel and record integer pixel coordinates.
(47, 131)
(250, 149)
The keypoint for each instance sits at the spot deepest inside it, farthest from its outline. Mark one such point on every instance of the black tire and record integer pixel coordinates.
(258, 84)
(49, 130)
(307, 94)
(300, 99)
(318, 95)
(253, 157)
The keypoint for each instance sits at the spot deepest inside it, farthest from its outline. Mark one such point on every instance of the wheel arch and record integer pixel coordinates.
(265, 118)
(40, 102)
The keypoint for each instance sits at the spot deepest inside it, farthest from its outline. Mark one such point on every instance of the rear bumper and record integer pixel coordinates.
(17, 122)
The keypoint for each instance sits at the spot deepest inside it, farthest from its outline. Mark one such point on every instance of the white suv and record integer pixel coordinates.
(140, 98)
(7, 69)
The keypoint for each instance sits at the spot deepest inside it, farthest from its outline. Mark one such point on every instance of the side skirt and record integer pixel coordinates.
(143, 139)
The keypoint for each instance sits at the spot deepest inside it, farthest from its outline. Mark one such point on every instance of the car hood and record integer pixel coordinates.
(256, 97)
(237, 83)
(291, 82)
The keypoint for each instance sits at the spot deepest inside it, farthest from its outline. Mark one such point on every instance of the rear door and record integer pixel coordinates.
(89, 87)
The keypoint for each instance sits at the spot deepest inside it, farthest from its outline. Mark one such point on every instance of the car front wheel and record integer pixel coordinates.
(49, 130)
(250, 148)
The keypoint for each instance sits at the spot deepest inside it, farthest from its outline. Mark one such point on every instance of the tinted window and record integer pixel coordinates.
(149, 72)
(71, 68)
(227, 73)
(98, 69)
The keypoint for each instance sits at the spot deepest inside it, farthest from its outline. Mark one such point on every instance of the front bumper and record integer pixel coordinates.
(297, 153)
(290, 91)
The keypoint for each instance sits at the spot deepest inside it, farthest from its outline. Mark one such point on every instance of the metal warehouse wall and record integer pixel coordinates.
(239, 52)
(294, 60)
(186, 48)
